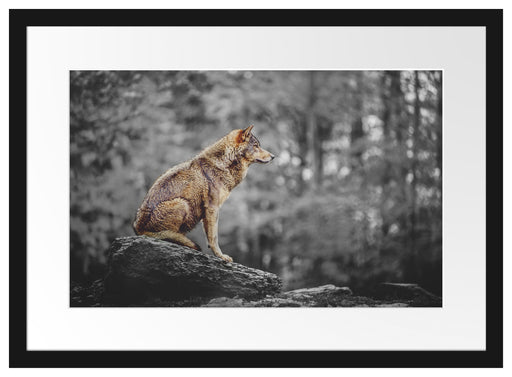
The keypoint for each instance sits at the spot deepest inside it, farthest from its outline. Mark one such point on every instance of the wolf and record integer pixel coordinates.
(195, 190)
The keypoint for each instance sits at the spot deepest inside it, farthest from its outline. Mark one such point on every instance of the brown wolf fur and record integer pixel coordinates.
(196, 189)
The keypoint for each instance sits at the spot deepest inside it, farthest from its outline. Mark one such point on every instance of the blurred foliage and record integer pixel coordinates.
(353, 197)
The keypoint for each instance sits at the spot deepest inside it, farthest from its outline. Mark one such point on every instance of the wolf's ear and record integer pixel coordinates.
(246, 133)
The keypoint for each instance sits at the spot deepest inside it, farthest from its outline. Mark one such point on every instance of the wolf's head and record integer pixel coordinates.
(249, 148)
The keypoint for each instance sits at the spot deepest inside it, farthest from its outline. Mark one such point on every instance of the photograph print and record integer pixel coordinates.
(256, 188)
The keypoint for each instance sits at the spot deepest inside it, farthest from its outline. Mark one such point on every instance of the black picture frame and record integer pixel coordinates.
(492, 20)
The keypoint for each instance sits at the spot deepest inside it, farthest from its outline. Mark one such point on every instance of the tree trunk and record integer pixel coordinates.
(398, 104)
(387, 172)
(313, 142)
(439, 130)
(414, 161)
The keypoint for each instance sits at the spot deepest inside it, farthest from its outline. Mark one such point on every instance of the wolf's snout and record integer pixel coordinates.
(266, 160)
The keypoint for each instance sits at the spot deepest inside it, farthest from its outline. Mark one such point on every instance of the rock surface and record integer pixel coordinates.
(412, 292)
(144, 271)
(143, 268)
(323, 296)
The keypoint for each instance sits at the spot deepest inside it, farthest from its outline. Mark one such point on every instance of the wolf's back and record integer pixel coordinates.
(175, 183)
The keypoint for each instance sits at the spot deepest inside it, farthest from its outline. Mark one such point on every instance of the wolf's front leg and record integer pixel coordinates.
(210, 224)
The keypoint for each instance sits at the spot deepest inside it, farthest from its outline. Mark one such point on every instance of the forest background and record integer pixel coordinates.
(353, 198)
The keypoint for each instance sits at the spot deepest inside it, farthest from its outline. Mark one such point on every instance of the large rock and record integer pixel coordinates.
(146, 271)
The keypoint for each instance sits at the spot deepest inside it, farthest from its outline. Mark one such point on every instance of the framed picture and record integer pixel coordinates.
(356, 155)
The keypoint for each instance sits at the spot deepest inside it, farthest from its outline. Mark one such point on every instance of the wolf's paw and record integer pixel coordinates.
(227, 258)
